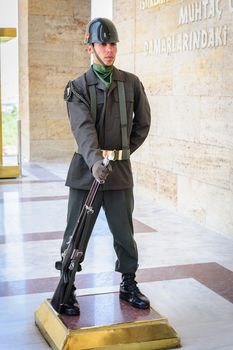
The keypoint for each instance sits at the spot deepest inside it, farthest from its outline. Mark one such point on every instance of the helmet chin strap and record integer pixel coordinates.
(98, 57)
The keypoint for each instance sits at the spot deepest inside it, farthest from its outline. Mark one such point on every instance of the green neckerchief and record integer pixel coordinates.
(104, 73)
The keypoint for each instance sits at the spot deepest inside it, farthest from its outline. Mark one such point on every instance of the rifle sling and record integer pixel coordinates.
(123, 114)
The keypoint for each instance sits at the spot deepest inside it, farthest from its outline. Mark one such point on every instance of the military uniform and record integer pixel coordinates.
(110, 117)
(104, 133)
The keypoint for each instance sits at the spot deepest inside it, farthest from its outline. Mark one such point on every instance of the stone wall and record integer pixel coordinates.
(182, 51)
(51, 52)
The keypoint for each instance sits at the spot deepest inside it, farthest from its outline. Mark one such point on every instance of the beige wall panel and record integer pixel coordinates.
(216, 121)
(80, 58)
(183, 54)
(48, 54)
(145, 175)
(167, 188)
(204, 203)
(46, 150)
(51, 54)
(47, 106)
(56, 129)
(127, 62)
(126, 32)
(51, 7)
(65, 31)
(154, 106)
(199, 75)
(159, 184)
(126, 37)
(123, 12)
(38, 129)
(143, 154)
(220, 211)
(179, 117)
(202, 162)
(227, 65)
(206, 163)
(47, 79)
(52, 29)
(231, 176)
(161, 152)
(82, 10)
(36, 25)
(157, 78)
(52, 129)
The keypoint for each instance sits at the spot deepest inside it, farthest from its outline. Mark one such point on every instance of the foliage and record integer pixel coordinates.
(9, 128)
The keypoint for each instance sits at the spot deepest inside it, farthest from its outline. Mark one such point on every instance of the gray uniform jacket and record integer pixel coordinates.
(105, 133)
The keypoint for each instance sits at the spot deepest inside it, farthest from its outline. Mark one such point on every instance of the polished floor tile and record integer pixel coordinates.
(185, 269)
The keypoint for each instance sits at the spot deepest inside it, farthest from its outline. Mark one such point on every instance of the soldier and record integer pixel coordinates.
(110, 116)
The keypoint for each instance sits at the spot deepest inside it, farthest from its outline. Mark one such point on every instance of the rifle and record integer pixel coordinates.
(75, 249)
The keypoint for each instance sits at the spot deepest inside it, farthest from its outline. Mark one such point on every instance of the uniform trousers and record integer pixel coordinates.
(118, 207)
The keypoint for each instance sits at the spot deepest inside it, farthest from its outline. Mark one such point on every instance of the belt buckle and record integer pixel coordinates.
(120, 154)
(109, 154)
(112, 155)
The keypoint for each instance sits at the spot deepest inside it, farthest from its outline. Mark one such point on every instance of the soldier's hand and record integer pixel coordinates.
(100, 171)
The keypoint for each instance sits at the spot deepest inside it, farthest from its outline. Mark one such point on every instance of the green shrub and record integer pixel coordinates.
(9, 128)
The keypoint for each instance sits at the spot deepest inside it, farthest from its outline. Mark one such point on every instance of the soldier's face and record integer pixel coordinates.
(106, 51)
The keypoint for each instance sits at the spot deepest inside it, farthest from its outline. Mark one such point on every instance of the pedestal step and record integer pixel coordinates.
(105, 323)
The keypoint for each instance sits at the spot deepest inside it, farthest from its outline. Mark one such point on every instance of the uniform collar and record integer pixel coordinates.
(117, 74)
(93, 80)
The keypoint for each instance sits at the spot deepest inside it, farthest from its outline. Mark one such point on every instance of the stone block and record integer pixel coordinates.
(48, 53)
(167, 188)
(216, 122)
(121, 12)
(82, 9)
(208, 164)
(58, 129)
(191, 198)
(51, 150)
(81, 59)
(52, 106)
(145, 176)
(127, 42)
(126, 62)
(51, 7)
(50, 129)
(68, 30)
(162, 70)
(198, 75)
(158, 183)
(206, 204)
(178, 117)
(162, 153)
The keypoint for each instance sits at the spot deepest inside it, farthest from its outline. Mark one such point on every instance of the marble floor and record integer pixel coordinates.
(184, 268)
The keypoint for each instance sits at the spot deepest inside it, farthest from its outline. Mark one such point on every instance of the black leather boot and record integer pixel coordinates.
(72, 306)
(131, 293)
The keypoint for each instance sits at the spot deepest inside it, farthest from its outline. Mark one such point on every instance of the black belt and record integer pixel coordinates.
(121, 154)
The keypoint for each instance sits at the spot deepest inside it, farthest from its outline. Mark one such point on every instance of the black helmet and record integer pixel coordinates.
(101, 30)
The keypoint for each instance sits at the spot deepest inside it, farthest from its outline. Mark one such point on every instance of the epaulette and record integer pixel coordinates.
(71, 89)
(67, 92)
